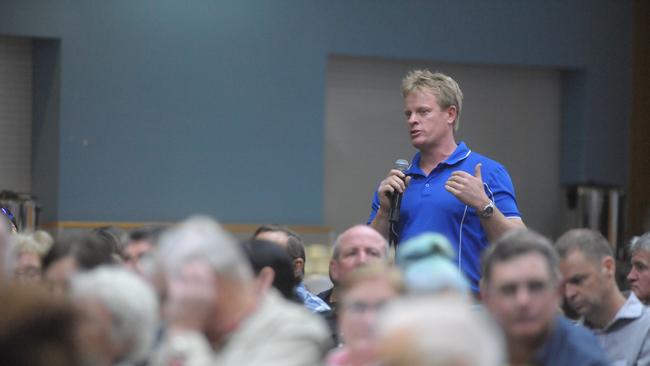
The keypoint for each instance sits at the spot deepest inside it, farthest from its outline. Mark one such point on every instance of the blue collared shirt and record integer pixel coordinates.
(312, 302)
(570, 345)
(428, 206)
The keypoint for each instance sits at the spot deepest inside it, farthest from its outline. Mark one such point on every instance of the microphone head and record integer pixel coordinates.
(402, 165)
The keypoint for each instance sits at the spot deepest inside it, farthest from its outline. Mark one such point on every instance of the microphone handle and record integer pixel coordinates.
(396, 203)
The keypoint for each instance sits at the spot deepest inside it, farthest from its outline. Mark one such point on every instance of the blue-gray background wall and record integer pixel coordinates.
(168, 108)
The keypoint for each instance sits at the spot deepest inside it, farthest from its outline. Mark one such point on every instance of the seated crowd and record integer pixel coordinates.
(191, 294)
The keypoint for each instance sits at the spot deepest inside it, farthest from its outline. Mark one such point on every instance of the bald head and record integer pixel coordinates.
(355, 247)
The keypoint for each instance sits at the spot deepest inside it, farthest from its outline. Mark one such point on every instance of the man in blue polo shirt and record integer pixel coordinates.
(451, 189)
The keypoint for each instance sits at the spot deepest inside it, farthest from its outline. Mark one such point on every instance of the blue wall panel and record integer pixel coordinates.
(174, 107)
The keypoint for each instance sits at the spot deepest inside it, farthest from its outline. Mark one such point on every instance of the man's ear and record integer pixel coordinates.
(298, 267)
(334, 271)
(453, 114)
(609, 266)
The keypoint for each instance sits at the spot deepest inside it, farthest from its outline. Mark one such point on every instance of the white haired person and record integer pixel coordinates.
(118, 316)
(29, 250)
(437, 331)
(216, 314)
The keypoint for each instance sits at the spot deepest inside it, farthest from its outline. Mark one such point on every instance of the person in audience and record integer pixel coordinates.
(364, 292)
(639, 276)
(29, 250)
(622, 325)
(295, 248)
(142, 241)
(119, 316)
(355, 247)
(520, 287)
(115, 237)
(437, 331)
(215, 314)
(427, 263)
(67, 257)
(271, 267)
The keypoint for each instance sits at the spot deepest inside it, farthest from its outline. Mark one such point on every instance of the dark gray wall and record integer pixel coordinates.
(172, 107)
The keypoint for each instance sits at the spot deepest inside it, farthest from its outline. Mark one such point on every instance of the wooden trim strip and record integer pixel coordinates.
(128, 225)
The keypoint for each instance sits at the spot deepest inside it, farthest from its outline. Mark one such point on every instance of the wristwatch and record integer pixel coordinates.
(487, 211)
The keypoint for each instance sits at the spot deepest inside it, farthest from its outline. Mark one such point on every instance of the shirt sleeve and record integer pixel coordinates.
(500, 189)
(374, 207)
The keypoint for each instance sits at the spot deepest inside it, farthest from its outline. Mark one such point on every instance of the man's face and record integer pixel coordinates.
(134, 252)
(639, 276)
(522, 296)
(28, 267)
(359, 245)
(360, 307)
(583, 283)
(428, 124)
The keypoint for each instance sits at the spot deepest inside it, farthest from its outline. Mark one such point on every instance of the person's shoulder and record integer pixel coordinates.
(580, 343)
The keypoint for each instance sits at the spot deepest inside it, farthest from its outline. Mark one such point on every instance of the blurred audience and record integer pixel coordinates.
(29, 250)
(437, 331)
(115, 237)
(355, 247)
(118, 316)
(426, 261)
(363, 293)
(295, 248)
(67, 257)
(521, 289)
(622, 325)
(141, 243)
(36, 328)
(271, 267)
(216, 315)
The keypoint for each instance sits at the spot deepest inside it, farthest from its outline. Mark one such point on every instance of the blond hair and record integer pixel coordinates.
(442, 86)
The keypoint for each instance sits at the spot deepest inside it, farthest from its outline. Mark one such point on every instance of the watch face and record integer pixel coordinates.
(488, 210)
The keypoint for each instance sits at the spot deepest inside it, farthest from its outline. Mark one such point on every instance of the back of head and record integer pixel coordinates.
(432, 331)
(426, 261)
(36, 328)
(149, 234)
(262, 254)
(201, 238)
(114, 237)
(295, 245)
(131, 303)
(87, 250)
(442, 86)
(590, 242)
(515, 243)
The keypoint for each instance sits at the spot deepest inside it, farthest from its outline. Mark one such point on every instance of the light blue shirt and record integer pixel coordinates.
(626, 338)
(312, 302)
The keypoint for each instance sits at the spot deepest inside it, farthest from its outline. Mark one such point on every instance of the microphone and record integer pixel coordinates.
(402, 165)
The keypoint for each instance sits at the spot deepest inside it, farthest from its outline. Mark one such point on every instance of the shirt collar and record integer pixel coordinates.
(632, 309)
(460, 153)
